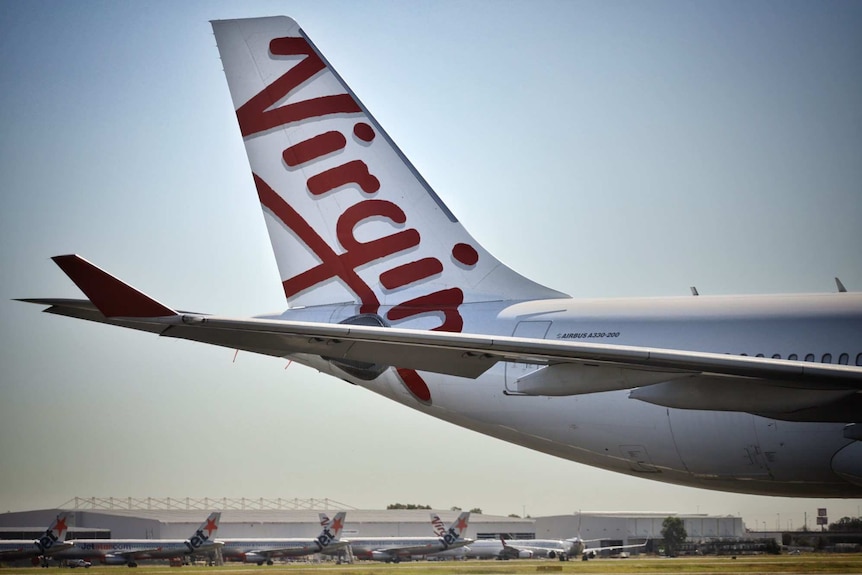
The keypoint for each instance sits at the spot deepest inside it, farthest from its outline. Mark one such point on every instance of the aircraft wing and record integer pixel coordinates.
(425, 549)
(299, 550)
(23, 551)
(668, 377)
(141, 553)
(591, 551)
(59, 546)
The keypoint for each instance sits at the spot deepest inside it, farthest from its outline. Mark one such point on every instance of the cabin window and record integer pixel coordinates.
(844, 359)
(809, 357)
(776, 356)
(827, 358)
(859, 359)
(793, 357)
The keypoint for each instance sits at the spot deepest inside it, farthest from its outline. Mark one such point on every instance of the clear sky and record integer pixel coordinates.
(600, 148)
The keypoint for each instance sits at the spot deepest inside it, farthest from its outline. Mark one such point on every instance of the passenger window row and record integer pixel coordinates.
(843, 359)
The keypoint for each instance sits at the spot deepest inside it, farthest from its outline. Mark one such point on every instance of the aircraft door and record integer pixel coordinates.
(533, 329)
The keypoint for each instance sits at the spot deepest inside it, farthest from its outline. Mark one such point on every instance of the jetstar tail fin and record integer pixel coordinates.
(331, 531)
(112, 296)
(54, 535)
(456, 530)
(204, 535)
(349, 217)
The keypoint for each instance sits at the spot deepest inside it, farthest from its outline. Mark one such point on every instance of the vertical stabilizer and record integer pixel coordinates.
(203, 537)
(54, 535)
(456, 531)
(350, 219)
(437, 525)
(331, 531)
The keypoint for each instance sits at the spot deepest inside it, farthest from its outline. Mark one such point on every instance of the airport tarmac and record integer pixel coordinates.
(833, 564)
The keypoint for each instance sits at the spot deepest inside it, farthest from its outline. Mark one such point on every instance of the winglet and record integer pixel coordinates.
(841, 288)
(112, 296)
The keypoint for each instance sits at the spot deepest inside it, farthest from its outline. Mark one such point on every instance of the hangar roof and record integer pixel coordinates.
(301, 516)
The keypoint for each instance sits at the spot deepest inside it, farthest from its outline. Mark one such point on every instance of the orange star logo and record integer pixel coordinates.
(336, 525)
(462, 525)
(61, 525)
(211, 526)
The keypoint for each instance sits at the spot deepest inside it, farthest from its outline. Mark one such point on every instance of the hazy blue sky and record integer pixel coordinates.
(601, 148)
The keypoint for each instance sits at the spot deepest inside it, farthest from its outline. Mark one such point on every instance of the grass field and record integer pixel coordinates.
(765, 564)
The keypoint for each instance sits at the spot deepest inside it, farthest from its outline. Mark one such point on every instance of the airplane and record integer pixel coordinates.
(588, 553)
(397, 549)
(387, 290)
(515, 549)
(262, 551)
(439, 529)
(562, 549)
(53, 541)
(522, 549)
(130, 551)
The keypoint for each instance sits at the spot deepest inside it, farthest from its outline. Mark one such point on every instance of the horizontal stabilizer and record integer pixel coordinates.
(113, 297)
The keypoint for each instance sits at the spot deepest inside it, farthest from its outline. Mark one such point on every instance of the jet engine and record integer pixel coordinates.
(848, 462)
(383, 556)
(252, 557)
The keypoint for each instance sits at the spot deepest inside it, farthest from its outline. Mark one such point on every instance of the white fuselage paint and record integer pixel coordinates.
(388, 548)
(725, 450)
(102, 549)
(270, 548)
(523, 548)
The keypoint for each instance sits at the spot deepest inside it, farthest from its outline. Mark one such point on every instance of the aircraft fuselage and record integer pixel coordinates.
(726, 450)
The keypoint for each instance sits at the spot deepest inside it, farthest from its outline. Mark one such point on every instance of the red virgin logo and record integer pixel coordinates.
(341, 262)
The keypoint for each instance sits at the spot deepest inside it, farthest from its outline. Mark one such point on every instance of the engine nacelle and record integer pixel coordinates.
(114, 560)
(848, 463)
(525, 554)
(382, 556)
(254, 558)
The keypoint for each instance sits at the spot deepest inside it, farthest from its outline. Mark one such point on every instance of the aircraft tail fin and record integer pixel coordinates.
(331, 531)
(349, 217)
(55, 534)
(456, 531)
(437, 525)
(203, 535)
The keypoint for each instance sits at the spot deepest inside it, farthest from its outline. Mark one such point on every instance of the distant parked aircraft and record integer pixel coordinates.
(396, 549)
(264, 550)
(53, 541)
(130, 551)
